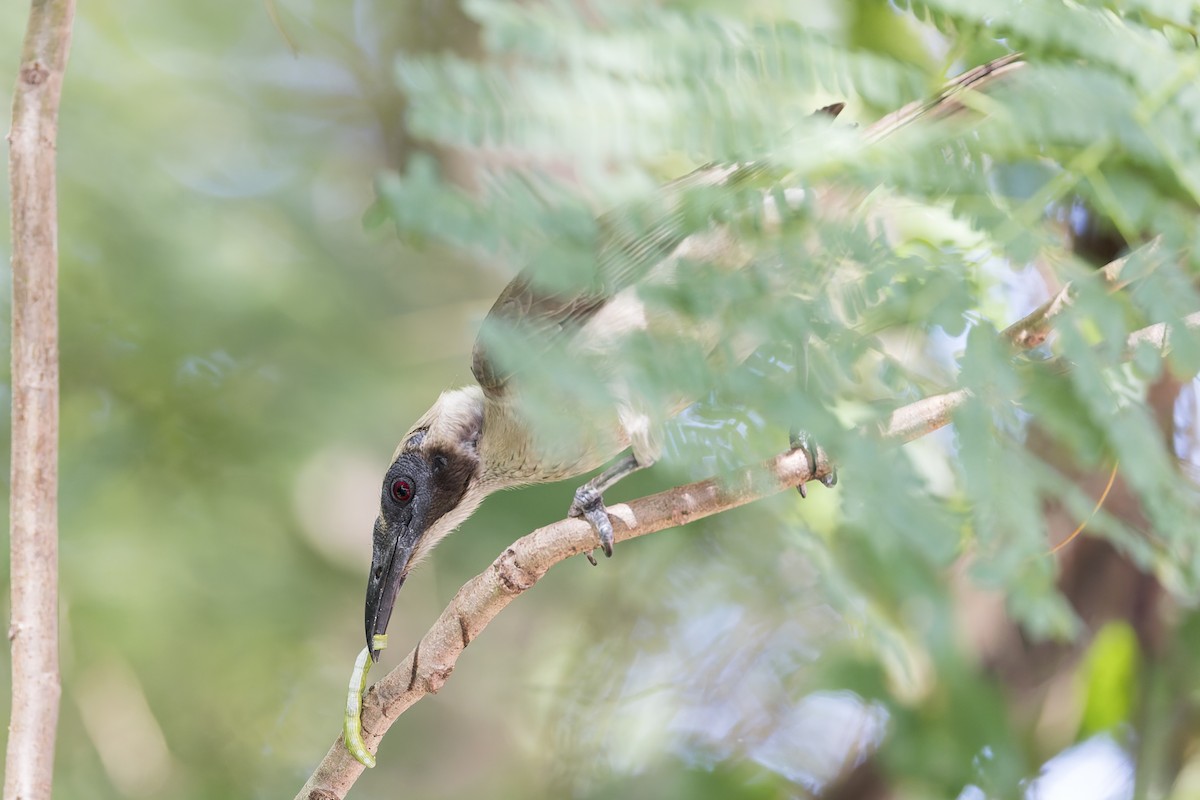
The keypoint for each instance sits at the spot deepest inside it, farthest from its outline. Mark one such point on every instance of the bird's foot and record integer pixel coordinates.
(803, 440)
(590, 505)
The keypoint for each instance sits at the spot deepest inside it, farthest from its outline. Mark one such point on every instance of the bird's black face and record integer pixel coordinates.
(403, 519)
(423, 485)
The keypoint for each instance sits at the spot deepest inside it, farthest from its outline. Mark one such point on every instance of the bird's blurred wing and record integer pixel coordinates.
(631, 242)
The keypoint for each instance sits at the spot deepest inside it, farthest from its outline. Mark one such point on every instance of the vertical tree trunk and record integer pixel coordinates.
(33, 629)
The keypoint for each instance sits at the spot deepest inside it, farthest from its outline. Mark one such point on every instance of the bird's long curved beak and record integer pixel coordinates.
(388, 571)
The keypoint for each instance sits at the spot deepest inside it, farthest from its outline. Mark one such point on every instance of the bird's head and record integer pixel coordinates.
(431, 486)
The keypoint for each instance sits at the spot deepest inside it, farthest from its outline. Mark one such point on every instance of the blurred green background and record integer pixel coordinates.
(240, 354)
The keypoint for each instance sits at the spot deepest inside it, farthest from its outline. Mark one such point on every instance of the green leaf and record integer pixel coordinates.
(1108, 679)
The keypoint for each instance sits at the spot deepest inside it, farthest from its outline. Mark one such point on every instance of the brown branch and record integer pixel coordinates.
(33, 525)
(1032, 330)
(517, 569)
(960, 93)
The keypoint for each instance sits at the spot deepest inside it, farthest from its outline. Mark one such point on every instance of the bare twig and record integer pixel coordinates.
(1031, 330)
(33, 629)
(1158, 335)
(963, 92)
(430, 663)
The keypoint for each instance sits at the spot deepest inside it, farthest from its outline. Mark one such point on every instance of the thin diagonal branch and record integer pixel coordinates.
(426, 669)
(1032, 329)
(964, 92)
(33, 629)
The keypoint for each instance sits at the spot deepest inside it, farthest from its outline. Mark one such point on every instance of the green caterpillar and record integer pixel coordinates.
(352, 725)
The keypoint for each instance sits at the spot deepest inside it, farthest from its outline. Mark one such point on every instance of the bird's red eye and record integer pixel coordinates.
(402, 490)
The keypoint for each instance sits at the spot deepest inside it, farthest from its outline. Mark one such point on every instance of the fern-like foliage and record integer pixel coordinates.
(873, 272)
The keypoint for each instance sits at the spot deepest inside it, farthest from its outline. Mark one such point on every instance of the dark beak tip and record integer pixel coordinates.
(381, 595)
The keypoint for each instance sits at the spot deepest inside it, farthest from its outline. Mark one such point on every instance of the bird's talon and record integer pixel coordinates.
(591, 558)
(589, 505)
(598, 516)
(802, 440)
(586, 499)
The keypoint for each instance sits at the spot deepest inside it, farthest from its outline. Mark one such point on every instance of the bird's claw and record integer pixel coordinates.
(803, 440)
(590, 505)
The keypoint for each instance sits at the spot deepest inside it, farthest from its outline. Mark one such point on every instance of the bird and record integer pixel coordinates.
(482, 438)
